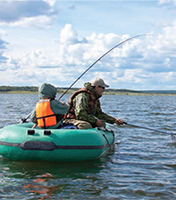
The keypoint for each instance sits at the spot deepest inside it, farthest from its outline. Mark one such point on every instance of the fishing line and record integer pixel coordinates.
(173, 135)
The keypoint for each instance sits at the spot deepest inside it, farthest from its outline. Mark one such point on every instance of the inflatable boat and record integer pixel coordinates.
(22, 142)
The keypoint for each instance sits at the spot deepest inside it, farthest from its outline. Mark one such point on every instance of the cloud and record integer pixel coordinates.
(59, 55)
(3, 59)
(68, 35)
(142, 63)
(168, 2)
(22, 12)
(72, 56)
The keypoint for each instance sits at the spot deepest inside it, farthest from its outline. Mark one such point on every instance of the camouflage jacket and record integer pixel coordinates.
(85, 111)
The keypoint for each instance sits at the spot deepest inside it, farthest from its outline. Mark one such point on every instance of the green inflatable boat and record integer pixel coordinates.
(21, 142)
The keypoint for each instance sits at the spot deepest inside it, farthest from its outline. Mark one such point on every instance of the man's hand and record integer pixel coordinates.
(119, 122)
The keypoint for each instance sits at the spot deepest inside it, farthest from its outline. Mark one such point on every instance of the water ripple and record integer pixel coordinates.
(142, 164)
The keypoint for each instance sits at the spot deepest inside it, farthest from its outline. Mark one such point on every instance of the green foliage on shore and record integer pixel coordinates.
(34, 89)
(18, 88)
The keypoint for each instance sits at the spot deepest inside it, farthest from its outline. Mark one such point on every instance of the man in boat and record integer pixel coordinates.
(49, 112)
(85, 110)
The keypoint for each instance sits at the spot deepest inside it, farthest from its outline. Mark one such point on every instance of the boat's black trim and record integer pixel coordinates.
(49, 146)
(82, 147)
(38, 145)
(9, 144)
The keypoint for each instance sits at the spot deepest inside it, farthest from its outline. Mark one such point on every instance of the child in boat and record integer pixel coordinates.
(49, 112)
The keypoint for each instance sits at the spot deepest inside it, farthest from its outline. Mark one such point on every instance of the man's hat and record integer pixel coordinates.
(98, 82)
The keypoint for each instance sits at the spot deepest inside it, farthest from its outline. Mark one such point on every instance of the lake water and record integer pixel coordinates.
(141, 166)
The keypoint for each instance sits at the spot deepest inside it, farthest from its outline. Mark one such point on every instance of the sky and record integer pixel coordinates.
(55, 41)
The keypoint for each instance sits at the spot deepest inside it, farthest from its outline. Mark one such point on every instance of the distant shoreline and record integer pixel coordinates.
(34, 90)
(106, 93)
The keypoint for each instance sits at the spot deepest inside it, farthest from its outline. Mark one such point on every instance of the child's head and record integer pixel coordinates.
(47, 91)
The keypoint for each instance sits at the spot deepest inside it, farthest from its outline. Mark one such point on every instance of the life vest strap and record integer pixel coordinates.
(46, 116)
(58, 118)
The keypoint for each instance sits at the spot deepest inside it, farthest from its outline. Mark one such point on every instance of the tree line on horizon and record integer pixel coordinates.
(59, 89)
(6, 89)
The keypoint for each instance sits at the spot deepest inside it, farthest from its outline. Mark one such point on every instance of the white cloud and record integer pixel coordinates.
(3, 59)
(34, 57)
(170, 2)
(35, 13)
(137, 64)
(68, 35)
(38, 21)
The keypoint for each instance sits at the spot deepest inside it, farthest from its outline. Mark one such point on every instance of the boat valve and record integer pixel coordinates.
(47, 132)
(30, 132)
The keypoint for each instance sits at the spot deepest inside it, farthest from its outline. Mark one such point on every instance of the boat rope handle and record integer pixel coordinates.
(107, 141)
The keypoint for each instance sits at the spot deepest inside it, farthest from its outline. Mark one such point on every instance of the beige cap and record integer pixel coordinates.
(98, 82)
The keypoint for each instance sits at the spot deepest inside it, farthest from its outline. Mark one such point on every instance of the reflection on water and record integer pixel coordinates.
(45, 180)
(142, 165)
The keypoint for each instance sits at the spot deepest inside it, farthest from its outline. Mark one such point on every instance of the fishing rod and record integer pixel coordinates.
(24, 119)
(151, 129)
(99, 60)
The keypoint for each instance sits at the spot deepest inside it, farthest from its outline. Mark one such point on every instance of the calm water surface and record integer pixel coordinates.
(141, 166)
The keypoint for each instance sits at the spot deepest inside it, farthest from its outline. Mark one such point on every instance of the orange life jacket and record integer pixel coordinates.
(45, 116)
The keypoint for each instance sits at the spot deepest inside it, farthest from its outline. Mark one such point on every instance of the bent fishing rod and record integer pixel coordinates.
(24, 119)
(99, 60)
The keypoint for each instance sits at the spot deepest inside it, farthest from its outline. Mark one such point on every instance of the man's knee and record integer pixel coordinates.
(79, 123)
(84, 125)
